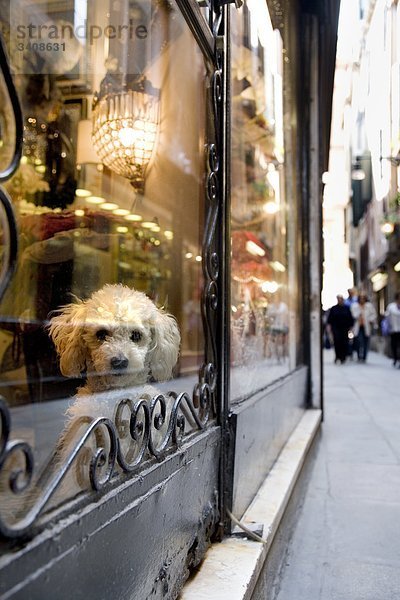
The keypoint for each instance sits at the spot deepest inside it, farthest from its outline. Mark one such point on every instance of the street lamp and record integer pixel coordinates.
(357, 172)
(394, 160)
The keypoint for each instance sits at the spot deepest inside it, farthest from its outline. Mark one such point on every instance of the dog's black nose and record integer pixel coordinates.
(119, 363)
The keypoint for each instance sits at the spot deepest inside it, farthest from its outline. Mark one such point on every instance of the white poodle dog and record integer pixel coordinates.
(117, 337)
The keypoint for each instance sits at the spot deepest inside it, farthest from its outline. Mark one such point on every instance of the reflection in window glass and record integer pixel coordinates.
(262, 317)
(110, 190)
(7, 127)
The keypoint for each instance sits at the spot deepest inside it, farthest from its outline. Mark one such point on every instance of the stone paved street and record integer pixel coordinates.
(346, 540)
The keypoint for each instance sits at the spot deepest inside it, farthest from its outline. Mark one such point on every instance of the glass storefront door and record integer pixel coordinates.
(105, 313)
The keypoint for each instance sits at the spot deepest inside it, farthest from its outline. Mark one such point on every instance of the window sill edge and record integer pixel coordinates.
(231, 568)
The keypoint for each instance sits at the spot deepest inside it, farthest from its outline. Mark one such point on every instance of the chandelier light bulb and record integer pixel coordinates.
(127, 136)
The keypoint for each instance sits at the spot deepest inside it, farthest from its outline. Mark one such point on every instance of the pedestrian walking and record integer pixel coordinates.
(352, 297)
(392, 314)
(364, 315)
(340, 321)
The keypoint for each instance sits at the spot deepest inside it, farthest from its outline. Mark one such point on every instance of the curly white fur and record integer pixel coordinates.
(117, 337)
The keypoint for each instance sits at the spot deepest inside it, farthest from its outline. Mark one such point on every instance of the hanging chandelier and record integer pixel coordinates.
(125, 123)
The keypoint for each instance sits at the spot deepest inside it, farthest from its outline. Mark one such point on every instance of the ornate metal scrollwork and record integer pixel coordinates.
(10, 169)
(7, 172)
(210, 261)
(154, 427)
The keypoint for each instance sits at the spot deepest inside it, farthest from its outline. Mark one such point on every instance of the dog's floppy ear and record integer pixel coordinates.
(166, 342)
(65, 330)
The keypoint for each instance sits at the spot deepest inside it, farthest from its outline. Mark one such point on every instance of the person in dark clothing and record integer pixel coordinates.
(340, 321)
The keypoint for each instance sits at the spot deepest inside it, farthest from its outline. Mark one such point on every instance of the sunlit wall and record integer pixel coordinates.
(337, 276)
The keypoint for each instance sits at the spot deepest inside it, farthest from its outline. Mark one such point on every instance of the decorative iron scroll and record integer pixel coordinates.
(155, 427)
(7, 172)
(210, 260)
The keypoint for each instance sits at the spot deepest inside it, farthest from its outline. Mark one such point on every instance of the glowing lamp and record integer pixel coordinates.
(125, 123)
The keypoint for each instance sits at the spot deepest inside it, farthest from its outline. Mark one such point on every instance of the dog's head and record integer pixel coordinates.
(118, 337)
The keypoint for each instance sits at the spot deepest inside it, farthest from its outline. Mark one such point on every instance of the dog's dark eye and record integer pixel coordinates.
(102, 334)
(136, 336)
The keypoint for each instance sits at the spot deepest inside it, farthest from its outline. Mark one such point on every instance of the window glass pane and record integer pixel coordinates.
(263, 274)
(110, 190)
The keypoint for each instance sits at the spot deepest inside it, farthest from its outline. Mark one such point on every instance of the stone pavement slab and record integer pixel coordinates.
(346, 539)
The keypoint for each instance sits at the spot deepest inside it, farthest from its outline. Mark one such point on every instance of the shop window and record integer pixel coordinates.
(263, 290)
(113, 188)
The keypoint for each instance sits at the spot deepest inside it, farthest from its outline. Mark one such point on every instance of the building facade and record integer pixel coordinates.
(176, 148)
(373, 168)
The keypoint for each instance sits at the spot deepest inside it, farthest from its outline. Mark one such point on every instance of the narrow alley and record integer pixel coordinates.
(346, 539)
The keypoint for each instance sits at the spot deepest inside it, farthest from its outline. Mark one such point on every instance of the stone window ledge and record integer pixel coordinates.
(231, 568)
